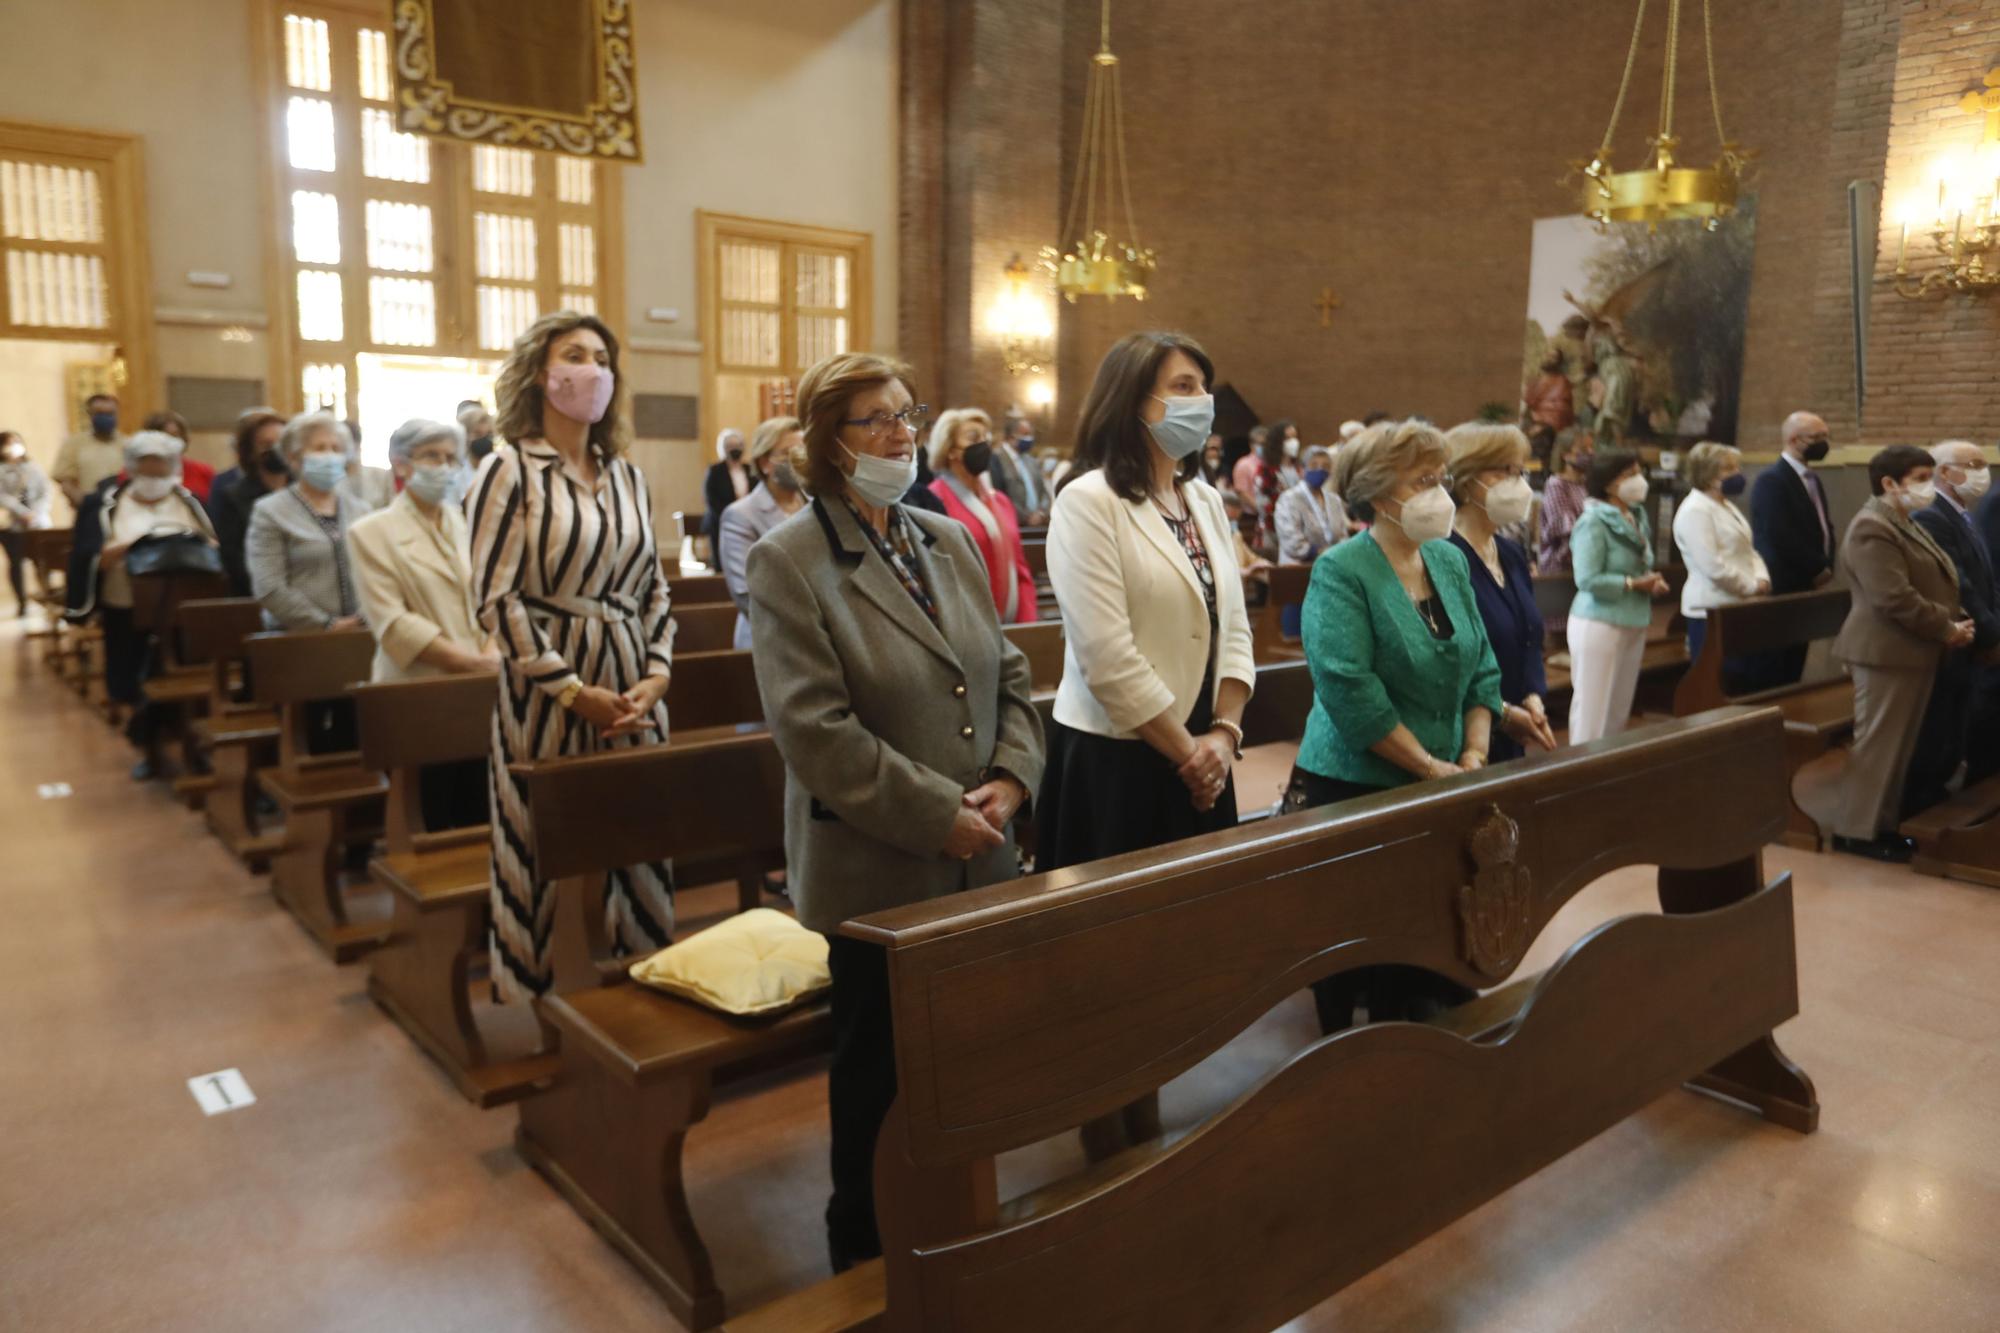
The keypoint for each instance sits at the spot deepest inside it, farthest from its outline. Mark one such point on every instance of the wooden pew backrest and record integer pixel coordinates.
(290, 670)
(407, 725)
(214, 631)
(713, 689)
(685, 590)
(1028, 1008)
(704, 629)
(1042, 641)
(1763, 625)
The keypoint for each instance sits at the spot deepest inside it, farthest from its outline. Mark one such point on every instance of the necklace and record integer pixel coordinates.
(1429, 616)
(1167, 513)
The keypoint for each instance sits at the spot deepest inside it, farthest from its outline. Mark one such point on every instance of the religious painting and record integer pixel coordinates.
(553, 75)
(1635, 335)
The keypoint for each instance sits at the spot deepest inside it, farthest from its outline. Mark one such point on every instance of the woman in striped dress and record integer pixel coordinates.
(568, 581)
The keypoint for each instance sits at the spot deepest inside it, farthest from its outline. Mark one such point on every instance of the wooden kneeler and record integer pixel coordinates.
(637, 1067)
(329, 800)
(439, 881)
(1960, 838)
(1026, 1009)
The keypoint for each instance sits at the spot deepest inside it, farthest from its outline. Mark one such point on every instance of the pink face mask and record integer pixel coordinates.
(581, 392)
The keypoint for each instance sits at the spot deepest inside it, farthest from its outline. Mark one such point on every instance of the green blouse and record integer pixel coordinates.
(1375, 663)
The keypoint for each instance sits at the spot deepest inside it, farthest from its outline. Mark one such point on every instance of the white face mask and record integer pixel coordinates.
(1426, 517)
(1632, 490)
(881, 481)
(1292, 448)
(152, 489)
(1917, 495)
(1977, 479)
(1508, 502)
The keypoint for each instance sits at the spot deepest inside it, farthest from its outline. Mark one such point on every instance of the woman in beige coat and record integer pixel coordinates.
(1905, 617)
(415, 588)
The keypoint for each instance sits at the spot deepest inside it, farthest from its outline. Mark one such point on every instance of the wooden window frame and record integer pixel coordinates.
(449, 195)
(127, 233)
(710, 230)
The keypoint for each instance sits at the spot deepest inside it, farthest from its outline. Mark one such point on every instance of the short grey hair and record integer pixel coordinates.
(419, 431)
(304, 426)
(1949, 452)
(1374, 461)
(1705, 463)
(1316, 451)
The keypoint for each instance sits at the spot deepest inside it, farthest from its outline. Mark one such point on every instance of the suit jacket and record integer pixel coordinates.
(1008, 465)
(885, 719)
(1007, 562)
(718, 492)
(1905, 592)
(743, 525)
(298, 574)
(1953, 530)
(414, 584)
(1136, 637)
(1785, 525)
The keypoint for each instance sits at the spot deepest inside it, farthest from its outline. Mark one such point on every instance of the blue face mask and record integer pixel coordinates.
(435, 485)
(1735, 484)
(323, 472)
(1316, 477)
(1025, 443)
(1185, 427)
(104, 423)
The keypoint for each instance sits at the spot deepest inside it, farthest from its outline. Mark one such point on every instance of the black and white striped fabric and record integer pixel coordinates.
(568, 580)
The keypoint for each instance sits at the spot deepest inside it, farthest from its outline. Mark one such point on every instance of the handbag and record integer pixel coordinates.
(173, 553)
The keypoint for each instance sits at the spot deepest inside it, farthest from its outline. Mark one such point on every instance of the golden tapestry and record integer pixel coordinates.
(554, 75)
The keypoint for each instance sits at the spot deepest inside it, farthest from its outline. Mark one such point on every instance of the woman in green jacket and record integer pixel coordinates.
(1405, 686)
(1612, 552)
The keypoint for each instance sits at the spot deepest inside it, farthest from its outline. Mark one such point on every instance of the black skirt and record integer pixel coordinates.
(1103, 797)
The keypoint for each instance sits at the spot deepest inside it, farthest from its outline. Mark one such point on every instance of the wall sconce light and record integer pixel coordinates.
(1041, 394)
(1966, 225)
(1023, 321)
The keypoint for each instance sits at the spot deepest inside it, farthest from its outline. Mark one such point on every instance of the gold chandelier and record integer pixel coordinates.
(1664, 191)
(1097, 262)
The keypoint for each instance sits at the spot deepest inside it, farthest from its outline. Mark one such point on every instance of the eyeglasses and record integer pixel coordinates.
(1425, 482)
(878, 424)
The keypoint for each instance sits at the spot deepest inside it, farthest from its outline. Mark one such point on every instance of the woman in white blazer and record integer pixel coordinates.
(1714, 540)
(415, 586)
(1157, 662)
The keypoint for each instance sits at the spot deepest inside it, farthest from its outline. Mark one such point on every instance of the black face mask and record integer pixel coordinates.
(1817, 450)
(978, 457)
(735, 455)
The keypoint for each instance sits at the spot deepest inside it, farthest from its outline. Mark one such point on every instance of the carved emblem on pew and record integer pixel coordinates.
(1494, 910)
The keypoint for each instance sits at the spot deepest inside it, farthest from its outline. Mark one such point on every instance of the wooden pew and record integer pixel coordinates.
(179, 690)
(1025, 1009)
(1042, 642)
(237, 737)
(1960, 838)
(1818, 714)
(1288, 588)
(704, 629)
(685, 590)
(638, 1067)
(439, 881)
(48, 550)
(329, 800)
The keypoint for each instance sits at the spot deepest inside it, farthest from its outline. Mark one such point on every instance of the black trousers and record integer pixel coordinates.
(14, 541)
(1982, 737)
(860, 1086)
(1390, 993)
(1941, 736)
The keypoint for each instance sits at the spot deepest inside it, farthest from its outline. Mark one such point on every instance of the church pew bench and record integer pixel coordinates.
(1818, 714)
(1960, 838)
(1288, 587)
(438, 881)
(704, 629)
(236, 737)
(685, 590)
(1042, 642)
(179, 690)
(1365, 1142)
(47, 549)
(329, 801)
(637, 1068)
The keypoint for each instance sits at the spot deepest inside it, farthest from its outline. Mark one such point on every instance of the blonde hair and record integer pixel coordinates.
(1374, 461)
(1705, 462)
(945, 429)
(518, 389)
(1482, 446)
(769, 433)
(825, 390)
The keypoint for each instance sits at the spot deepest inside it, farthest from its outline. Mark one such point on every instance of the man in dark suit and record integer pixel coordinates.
(1018, 473)
(1961, 719)
(1791, 524)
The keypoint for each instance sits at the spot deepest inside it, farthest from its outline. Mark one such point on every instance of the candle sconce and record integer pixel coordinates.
(1962, 249)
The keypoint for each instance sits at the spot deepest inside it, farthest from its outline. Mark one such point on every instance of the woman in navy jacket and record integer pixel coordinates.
(1486, 476)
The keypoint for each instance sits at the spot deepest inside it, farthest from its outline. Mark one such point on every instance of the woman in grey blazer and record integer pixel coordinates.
(296, 549)
(904, 718)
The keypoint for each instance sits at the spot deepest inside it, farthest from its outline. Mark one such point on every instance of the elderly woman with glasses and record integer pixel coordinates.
(961, 454)
(904, 718)
(296, 548)
(1405, 685)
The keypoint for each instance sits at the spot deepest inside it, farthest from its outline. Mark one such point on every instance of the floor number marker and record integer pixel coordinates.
(219, 1092)
(54, 791)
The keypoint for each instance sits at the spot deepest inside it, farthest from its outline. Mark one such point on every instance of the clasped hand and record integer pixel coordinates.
(983, 815)
(626, 714)
(1206, 770)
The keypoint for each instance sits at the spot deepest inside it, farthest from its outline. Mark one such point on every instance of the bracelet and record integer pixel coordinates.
(1235, 732)
(567, 699)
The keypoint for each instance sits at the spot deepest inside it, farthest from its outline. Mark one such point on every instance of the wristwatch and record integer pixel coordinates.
(567, 699)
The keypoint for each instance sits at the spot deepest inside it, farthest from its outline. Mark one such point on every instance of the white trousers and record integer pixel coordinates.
(1604, 674)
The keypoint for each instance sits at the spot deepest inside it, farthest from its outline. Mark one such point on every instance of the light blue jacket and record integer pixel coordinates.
(1607, 548)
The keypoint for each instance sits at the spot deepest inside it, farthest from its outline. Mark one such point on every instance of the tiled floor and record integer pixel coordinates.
(360, 1192)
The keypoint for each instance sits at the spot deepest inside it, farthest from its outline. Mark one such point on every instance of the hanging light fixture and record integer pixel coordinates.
(1023, 322)
(1664, 191)
(1097, 262)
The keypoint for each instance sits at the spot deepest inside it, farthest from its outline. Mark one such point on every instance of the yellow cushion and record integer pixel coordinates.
(757, 962)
